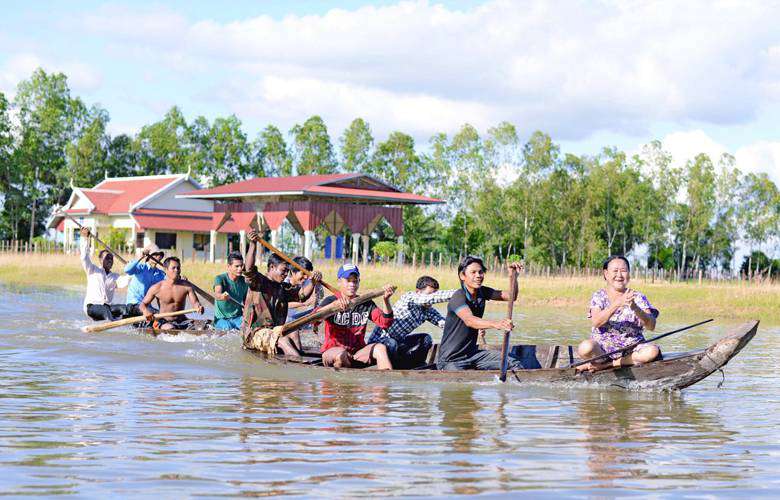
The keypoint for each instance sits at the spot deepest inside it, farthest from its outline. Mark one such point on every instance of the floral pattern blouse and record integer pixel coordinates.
(624, 327)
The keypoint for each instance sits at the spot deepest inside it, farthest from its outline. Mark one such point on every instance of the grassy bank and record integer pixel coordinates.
(684, 301)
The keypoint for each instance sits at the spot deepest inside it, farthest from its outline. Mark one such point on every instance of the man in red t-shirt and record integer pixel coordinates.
(345, 332)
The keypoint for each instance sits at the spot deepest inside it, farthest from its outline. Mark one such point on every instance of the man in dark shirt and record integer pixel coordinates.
(267, 306)
(458, 349)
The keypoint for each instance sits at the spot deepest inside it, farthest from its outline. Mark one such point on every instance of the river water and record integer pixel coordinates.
(118, 413)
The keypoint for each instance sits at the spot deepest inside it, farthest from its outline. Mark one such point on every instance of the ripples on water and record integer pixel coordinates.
(123, 414)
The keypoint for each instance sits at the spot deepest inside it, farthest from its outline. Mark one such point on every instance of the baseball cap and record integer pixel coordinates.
(347, 270)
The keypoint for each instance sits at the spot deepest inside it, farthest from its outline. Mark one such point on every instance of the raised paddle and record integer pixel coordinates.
(119, 257)
(265, 339)
(631, 346)
(101, 327)
(509, 309)
(292, 262)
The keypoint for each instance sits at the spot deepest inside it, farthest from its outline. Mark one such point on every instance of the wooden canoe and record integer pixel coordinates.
(549, 364)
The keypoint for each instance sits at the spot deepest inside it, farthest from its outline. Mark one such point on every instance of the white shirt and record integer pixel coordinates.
(100, 285)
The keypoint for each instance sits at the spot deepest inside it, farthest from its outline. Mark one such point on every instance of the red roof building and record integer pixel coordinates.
(147, 210)
(336, 202)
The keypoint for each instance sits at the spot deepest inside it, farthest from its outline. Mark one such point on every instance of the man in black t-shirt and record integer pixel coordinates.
(458, 349)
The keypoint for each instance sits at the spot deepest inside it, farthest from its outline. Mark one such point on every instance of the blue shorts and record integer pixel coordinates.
(228, 323)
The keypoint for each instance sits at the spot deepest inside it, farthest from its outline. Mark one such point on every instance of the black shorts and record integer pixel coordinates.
(107, 312)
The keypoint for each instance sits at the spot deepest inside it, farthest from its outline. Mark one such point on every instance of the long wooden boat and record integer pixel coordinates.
(546, 364)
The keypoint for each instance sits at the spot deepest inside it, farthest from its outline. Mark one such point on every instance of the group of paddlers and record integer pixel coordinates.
(290, 293)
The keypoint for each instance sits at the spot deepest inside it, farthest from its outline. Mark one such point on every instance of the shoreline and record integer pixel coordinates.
(732, 301)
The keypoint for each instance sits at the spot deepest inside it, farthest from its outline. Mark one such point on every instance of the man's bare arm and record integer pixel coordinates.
(147, 301)
(194, 299)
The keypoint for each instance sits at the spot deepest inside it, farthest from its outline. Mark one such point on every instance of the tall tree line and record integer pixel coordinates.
(505, 195)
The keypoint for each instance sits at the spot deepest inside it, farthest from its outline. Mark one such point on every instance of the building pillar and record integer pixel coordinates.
(275, 237)
(242, 241)
(365, 249)
(400, 253)
(308, 244)
(333, 247)
(355, 248)
(212, 245)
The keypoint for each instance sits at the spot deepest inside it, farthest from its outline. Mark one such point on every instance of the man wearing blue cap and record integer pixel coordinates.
(345, 332)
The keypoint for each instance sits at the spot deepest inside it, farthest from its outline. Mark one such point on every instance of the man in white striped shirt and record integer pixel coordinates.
(101, 283)
(408, 349)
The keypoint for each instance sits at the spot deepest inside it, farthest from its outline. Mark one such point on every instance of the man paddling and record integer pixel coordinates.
(269, 295)
(172, 294)
(458, 349)
(101, 283)
(230, 285)
(406, 348)
(145, 274)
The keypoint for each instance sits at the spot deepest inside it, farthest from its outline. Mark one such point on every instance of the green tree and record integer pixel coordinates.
(230, 151)
(49, 119)
(356, 146)
(270, 154)
(396, 161)
(162, 145)
(87, 156)
(312, 151)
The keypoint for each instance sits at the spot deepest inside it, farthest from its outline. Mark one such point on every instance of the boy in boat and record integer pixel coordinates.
(145, 273)
(268, 297)
(408, 349)
(299, 309)
(458, 349)
(101, 283)
(227, 314)
(172, 294)
(345, 332)
(618, 317)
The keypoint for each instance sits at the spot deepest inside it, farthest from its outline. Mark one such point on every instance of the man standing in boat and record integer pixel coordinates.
(406, 348)
(172, 294)
(227, 314)
(101, 283)
(458, 349)
(268, 296)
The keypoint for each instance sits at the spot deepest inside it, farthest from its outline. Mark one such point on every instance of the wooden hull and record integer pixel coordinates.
(154, 332)
(547, 364)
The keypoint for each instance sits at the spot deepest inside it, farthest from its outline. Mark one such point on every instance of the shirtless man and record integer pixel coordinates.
(172, 293)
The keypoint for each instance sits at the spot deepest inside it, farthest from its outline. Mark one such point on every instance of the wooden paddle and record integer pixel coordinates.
(292, 262)
(119, 257)
(101, 327)
(509, 310)
(632, 346)
(265, 339)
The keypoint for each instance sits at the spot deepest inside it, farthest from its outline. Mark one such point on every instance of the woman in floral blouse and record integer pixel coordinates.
(618, 315)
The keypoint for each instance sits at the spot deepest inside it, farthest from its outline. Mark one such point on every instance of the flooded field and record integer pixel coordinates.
(120, 413)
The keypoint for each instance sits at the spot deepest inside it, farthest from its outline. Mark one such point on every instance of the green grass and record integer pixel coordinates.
(684, 301)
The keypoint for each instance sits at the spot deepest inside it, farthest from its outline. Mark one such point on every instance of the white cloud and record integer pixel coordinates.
(81, 77)
(569, 68)
(760, 156)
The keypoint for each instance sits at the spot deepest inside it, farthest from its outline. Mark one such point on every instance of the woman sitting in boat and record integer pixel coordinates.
(618, 315)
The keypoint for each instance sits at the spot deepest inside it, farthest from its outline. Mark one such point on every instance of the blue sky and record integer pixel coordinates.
(701, 76)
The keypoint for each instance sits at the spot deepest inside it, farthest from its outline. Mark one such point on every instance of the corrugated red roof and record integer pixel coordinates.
(340, 192)
(272, 184)
(174, 220)
(181, 220)
(314, 185)
(130, 191)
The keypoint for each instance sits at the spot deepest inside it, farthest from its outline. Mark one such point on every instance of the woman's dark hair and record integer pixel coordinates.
(616, 257)
(232, 256)
(427, 281)
(467, 261)
(304, 262)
